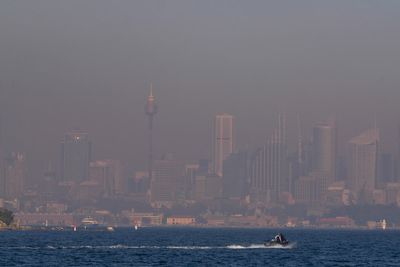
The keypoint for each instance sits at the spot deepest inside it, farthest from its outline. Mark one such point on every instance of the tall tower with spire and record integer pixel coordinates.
(150, 110)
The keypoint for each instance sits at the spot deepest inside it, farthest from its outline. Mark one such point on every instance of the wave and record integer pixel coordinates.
(189, 247)
(121, 246)
(262, 246)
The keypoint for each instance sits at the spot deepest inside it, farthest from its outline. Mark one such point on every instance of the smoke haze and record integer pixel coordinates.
(89, 64)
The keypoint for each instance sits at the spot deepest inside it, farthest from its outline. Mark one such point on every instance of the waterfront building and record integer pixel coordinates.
(181, 220)
(144, 219)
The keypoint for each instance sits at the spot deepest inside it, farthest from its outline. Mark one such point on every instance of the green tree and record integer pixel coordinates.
(6, 216)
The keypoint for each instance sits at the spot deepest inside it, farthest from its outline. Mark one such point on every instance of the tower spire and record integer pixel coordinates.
(150, 110)
(299, 141)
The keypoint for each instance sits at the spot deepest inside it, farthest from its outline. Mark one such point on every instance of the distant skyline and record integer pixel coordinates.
(69, 64)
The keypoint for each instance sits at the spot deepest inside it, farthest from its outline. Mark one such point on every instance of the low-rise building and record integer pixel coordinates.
(141, 219)
(53, 219)
(181, 220)
(341, 222)
(215, 220)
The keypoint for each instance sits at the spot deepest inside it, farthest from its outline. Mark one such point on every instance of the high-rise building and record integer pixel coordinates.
(363, 165)
(13, 175)
(324, 152)
(208, 187)
(76, 155)
(300, 163)
(386, 167)
(307, 190)
(167, 180)
(269, 175)
(315, 180)
(108, 174)
(48, 186)
(140, 183)
(234, 182)
(191, 171)
(223, 141)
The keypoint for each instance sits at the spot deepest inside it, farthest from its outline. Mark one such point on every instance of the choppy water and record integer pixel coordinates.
(199, 247)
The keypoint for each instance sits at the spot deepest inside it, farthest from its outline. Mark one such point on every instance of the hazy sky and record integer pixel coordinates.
(89, 64)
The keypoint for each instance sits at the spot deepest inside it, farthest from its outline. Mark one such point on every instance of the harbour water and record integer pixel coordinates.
(199, 247)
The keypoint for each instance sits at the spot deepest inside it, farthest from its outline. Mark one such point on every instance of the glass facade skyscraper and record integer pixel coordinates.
(223, 141)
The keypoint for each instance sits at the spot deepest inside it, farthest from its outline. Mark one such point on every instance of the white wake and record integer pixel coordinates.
(120, 246)
(262, 246)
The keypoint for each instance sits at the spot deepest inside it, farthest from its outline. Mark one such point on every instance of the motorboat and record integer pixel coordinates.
(278, 241)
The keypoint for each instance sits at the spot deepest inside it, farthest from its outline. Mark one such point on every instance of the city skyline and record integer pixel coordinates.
(217, 110)
(274, 135)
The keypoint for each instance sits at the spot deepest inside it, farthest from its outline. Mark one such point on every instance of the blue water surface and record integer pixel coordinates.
(199, 247)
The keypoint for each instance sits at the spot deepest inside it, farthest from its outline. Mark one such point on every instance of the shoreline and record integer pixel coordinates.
(116, 228)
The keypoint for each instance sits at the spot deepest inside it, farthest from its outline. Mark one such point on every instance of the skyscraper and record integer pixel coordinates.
(108, 173)
(304, 152)
(234, 182)
(151, 110)
(223, 141)
(191, 171)
(76, 155)
(14, 175)
(386, 167)
(269, 168)
(364, 162)
(324, 152)
(168, 181)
